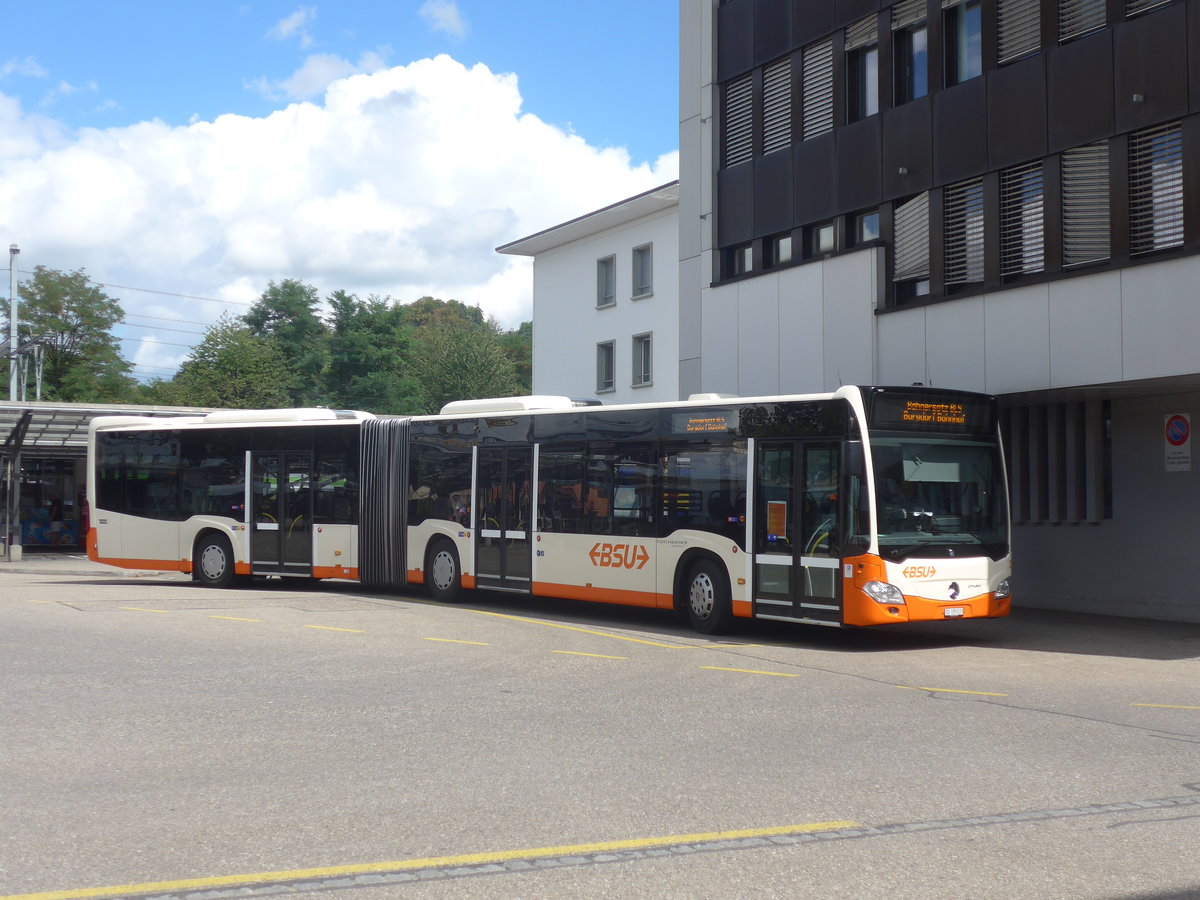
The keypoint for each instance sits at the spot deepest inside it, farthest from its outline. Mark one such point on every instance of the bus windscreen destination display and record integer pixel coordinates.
(705, 422)
(930, 412)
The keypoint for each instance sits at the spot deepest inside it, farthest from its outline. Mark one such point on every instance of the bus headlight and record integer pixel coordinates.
(1003, 589)
(884, 593)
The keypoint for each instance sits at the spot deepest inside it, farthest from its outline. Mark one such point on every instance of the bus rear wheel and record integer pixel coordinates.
(443, 577)
(213, 564)
(706, 598)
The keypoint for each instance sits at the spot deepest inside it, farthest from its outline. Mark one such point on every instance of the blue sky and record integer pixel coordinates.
(204, 149)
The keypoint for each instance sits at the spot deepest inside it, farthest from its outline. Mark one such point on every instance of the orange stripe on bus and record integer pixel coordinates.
(335, 572)
(163, 565)
(649, 599)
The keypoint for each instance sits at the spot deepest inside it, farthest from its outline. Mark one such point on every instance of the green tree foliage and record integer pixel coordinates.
(453, 362)
(232, 368)
(74, 319)
(287, 312)
(518, 347)
(368, 351)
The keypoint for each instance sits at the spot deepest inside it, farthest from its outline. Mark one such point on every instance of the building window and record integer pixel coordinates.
(962, 232)
(1018, 27)
(739, 260)
(738, 134)
(643, 370)
(817, 98)
(777, 250)
(821, 239)
(643, 270)
(964, 47)
(1085, 211)
(606, 366)
(777, 105)
(606, 281)
(1022, 220)
(862, 69)
(910, 50)
(910, 225)
(866, 227)
(1155, 189)
(1133, 7)
(1079, 17)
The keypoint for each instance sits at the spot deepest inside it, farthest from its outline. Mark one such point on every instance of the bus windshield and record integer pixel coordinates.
(939, 497)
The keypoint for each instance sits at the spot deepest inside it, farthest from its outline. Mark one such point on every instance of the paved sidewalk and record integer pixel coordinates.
(62, 564)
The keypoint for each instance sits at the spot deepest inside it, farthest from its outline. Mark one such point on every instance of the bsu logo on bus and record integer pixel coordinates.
(617, 556)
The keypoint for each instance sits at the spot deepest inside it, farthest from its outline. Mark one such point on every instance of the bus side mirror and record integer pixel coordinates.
(855, 460)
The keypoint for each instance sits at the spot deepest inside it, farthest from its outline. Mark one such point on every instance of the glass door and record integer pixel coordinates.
(796, 531)
(281, 540)
(503, 558)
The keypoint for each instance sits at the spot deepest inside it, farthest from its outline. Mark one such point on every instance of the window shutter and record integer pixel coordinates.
(1133, 7)
(818, 89)
(1085, 204)
(1019, 25)
(1079, 17)
(911, 229)
(963, 231)
(777, 105)
(739, 120)
(862, 33)
(1155, 188)
(1022, 226)
(909, 12)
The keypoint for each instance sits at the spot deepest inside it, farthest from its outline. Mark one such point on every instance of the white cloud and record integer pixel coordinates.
(295, 25)
(316, 74)
(444, 15)
(27, 68)
(399, 182)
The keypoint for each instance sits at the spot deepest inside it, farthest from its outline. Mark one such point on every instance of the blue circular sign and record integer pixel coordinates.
(1178, 431)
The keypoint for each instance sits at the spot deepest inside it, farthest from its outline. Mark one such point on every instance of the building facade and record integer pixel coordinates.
(995, 195)
(605, 301)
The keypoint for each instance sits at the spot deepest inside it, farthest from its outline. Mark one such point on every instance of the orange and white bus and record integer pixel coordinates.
(864, 506)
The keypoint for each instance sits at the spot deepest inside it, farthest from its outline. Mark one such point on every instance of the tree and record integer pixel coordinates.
(453, 362)
(518, 347)
(287, 313)
(74, 319)
(368, 348)
(230, 368)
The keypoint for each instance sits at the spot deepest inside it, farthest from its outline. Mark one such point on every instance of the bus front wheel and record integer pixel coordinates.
(707, 598)
(214, 561)
(443, 577)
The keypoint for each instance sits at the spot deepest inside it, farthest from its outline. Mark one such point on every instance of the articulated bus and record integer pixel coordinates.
(864, 506)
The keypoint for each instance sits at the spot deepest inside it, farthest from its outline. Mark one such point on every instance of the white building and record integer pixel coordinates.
(606, 301)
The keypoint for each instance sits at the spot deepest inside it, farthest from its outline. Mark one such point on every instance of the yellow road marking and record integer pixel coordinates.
(330, 628)
(615, 637)
(43, 601)
(1163, 706)
(468, 859)
(753, 672)
(905, 687)
(596, 655)
(452, 641)
(140, 609)
(235, 619)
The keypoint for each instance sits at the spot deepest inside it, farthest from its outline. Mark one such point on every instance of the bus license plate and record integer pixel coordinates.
(953, 612)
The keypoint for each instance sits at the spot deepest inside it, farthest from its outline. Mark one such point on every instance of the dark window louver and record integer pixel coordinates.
(1022, 220)
(777, 106)
(1155, 189)
(738, 140)
(1085, 204)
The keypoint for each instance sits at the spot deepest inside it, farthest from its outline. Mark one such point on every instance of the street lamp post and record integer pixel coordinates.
(13, 250)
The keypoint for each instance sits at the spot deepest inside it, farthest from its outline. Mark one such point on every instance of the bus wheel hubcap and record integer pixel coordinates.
(212, 561)
(443, 570)
(702, 596)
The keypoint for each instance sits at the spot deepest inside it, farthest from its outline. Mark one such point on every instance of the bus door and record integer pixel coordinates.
(503, 498)
(796, 533)
(281, 514)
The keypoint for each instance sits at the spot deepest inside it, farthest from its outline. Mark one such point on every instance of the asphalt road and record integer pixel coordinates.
(298, 739)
